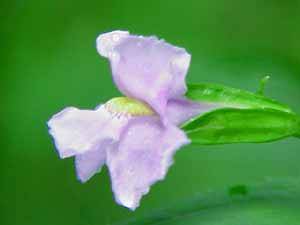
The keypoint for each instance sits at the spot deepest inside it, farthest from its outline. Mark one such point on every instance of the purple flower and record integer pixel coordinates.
(135, 136)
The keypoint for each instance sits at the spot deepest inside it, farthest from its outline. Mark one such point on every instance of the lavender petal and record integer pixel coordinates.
(142, 158)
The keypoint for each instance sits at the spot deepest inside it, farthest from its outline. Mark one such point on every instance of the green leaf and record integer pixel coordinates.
(275, 202)
(230, 125)
(231, 97)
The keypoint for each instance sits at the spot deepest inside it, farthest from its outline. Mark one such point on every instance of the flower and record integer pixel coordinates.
(135, 136)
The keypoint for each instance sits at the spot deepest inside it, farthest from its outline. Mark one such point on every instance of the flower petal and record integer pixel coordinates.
(91, 162)
(108, 42)
(78, 131)
(181, 110)
(142, 157)
(146, 68)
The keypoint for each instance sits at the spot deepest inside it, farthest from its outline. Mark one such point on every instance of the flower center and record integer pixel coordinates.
(128, 106)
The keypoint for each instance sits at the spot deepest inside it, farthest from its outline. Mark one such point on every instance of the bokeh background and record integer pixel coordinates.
(49, 61)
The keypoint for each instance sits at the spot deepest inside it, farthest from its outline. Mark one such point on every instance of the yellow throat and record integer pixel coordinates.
(129, 106)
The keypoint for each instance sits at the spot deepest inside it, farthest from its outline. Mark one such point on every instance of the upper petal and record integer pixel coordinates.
(108, 42)
(145, 68)
(78, 131)
(142, 157)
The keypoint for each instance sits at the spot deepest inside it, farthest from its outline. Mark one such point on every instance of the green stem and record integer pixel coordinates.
(262, 85)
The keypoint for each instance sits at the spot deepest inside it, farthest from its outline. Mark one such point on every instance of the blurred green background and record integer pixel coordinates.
(49, 61)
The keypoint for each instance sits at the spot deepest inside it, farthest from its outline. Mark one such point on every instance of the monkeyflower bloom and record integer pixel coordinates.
(135, 136)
